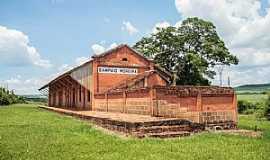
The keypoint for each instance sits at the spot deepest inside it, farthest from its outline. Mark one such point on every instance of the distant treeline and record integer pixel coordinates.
(251, 93)
(43, 100)
(260, 109)
(254, 87)
(36, 98)
(8, 97)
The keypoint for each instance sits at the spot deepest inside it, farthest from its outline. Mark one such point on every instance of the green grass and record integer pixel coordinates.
(27, 132)
(252, 97)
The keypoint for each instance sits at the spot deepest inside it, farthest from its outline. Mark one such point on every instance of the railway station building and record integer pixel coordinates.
(122, 80)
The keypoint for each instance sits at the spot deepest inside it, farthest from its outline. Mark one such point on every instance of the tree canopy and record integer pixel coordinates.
(190, 51)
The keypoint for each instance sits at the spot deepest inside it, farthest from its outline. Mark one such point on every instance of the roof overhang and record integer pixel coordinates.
(63, 75)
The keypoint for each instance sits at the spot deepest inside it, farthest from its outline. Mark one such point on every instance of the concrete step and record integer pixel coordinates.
(168, 134)
(166, 122)
(160, 129)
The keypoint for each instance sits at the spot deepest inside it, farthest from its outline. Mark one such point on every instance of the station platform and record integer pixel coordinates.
(134, 124)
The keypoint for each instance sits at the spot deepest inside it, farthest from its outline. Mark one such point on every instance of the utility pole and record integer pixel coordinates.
(220, 69)
(229, 81)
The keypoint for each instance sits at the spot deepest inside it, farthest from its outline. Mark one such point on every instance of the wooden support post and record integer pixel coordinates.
(199, 102)
(153, 102)
(95, 75)
(107, 105)
(199, 107)
(235, 107)
(124, 102)
(83, 97)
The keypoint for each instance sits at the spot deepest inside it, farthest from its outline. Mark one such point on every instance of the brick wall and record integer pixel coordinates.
(218, 108)
(132, 102)
(138, 101)
(155, 79)
(198, 104)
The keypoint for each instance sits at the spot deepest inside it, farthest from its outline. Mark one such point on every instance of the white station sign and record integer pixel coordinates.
(116, 70)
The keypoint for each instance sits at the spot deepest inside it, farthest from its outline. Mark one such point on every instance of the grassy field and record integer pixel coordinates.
(27, 132)
(252, 97)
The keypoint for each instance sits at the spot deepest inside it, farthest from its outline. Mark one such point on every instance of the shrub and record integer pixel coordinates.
(5, 100)
(260, 109)
(7, 97)
(247, 107)
(267, 107)
(240, 106)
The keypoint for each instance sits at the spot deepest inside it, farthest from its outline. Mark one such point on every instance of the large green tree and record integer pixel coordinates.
(190, 50)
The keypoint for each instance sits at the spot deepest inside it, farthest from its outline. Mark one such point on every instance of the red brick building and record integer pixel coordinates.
(122, 80)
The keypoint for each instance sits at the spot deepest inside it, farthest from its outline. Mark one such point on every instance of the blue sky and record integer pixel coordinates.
(68, 27)
(63, 33)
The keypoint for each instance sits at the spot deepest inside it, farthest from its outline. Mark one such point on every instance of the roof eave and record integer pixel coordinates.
(63, 74)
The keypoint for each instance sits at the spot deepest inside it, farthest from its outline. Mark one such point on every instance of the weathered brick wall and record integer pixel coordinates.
(116, 102)
(100, 103)
(132, 102)
(138, 102)
(198, 104)
(181, 107)
(217, 116)
(216, 102)
(155, 79)
(138, 106)
(218, 108)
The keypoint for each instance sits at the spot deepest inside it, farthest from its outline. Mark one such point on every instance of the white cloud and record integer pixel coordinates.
(103, 42)
(81, 60)
(113, 45)
(131, 29)
(160, 25)
(13, 81)
(252, 57)
(99, 48)
(15, 49)
(66, 67)
(24, 86)
(63, 68)
(244, 29)
(240, 76)
(240, 27)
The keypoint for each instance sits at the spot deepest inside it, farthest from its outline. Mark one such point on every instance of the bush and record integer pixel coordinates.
(241, 106)
(7, 98)
(260, 109)
(246, 107)
(267, 107)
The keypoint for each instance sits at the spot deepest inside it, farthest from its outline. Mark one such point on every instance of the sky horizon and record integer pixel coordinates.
(42, 39)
